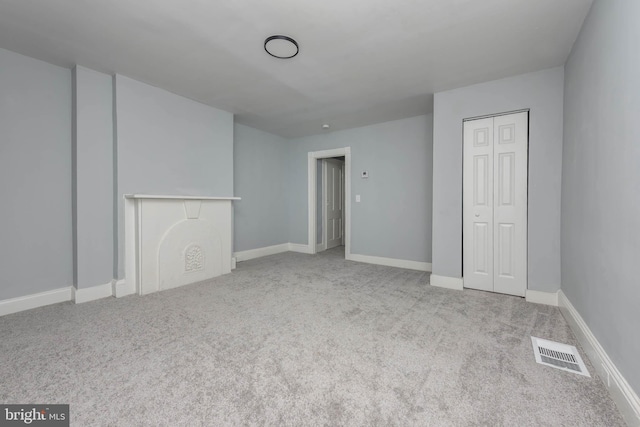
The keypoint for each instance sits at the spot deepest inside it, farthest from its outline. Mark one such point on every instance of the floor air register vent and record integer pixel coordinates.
(559, 356)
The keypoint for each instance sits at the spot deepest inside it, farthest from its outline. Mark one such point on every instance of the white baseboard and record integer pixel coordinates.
(260, 252)
(538, 297)
(296, 247)
(319, 247)
(93, 293)
(391, 262)
(306, 249)
(625, 397)
(447, 282)
(234, 263)
(41, 299)
(121, 289)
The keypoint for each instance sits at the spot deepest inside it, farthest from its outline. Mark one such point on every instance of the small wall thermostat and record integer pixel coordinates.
(365, 174)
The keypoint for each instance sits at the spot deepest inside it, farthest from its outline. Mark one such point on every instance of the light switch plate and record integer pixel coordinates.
(357, 198)
(365, 174)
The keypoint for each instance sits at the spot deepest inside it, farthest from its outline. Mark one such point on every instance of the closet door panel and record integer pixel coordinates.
(478, 201)
(510, 151)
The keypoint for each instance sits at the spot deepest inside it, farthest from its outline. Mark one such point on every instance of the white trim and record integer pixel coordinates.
(260, 252)
(93, 293)
(320, 247)
(40, 299)
(304, 249)
(122, 288)
(391, 262)
(506, 113)
(154, 196)
(131, 238)
(234, 262)
(312, 176)
(538, 297)
(623, 395)
(446, 282)
(323, 197)
(271, 250)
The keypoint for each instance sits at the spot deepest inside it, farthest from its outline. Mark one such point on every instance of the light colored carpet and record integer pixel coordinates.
(294, 339)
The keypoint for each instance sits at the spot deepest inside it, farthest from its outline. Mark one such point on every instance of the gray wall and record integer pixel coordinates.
(542, 92)
(394, 218)
(260, 164)
(93, 177)
(601, 180)
(35, 176)
(167, 144)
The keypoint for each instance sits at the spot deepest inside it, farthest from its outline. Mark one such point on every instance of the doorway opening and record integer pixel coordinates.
(329, 205)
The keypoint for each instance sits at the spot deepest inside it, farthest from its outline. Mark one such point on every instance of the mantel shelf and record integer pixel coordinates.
(154, 196)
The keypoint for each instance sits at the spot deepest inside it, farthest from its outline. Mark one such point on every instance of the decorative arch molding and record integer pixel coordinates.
(190, 251)
(174, 241)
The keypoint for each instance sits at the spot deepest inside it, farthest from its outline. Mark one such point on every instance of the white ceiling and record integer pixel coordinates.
(360, 61)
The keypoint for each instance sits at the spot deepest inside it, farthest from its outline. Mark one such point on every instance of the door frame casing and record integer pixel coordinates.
(312, 176)
(323, 245)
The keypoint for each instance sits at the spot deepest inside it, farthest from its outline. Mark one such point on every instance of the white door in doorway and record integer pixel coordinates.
(495, 204)
(333, 190)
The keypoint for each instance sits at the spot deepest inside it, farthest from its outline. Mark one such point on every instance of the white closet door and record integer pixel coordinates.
(495, 204)
(510, 207)
(478, 205)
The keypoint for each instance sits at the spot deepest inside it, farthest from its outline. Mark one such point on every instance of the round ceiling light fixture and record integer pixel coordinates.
(281, 47)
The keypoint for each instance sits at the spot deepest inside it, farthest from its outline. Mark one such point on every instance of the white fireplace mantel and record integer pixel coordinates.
(173, 240)
(157, 196)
